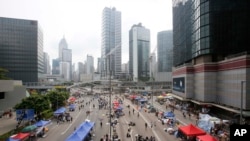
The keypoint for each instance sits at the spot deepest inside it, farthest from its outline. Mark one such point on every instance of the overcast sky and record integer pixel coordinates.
(80, 22)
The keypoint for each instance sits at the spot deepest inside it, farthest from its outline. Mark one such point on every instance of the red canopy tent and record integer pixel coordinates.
(72, 99)
(206, 137)
(191, 130)
(21, 136)
(132, 96)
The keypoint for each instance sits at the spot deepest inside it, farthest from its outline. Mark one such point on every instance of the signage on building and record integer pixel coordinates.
(25, 114)
(179, 84)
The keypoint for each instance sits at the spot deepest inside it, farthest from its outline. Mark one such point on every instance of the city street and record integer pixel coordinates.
(63, 130)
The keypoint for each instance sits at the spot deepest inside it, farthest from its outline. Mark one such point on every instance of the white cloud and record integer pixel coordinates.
(80, 21)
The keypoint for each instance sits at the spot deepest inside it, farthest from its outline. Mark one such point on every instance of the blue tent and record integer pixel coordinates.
(42, 123)
(75, 136)
(119, 108)
(10, 139)
(169, 115)
(142, 100)
(72, 106)
(81, 132)
(60, 110)
(137, 98)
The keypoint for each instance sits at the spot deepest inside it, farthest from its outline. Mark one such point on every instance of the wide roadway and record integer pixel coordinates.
(59, 132)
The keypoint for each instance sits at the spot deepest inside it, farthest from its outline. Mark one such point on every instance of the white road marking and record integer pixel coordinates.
(70, 124)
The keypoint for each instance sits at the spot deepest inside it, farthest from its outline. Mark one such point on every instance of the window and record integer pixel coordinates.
(2, 95)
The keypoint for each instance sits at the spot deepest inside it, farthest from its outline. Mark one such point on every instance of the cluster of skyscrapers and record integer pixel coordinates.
(207, 52)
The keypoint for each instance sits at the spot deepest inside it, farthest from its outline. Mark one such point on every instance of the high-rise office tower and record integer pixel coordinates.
(111, 42)
(65, 57)
(55, 66)
(21, 49)
(98, 69)
(211, 51)
(62, 45)
(139, 50)
(46, 63)
(165, 51)
(90, 65)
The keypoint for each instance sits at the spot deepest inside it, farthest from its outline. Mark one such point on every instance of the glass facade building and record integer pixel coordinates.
(209, 27)
(111, 41)
(139, 49)
(21, 49)
(165, 51)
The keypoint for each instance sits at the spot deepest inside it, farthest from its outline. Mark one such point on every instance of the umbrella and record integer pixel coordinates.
(29, 128)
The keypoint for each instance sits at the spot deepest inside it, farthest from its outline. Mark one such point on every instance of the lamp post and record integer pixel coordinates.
(241, 102)
(109, 55)
(109, 97)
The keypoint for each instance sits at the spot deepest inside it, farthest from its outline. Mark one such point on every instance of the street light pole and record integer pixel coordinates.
(109, 97)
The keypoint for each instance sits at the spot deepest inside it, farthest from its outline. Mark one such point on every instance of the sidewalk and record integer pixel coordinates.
(7, 124)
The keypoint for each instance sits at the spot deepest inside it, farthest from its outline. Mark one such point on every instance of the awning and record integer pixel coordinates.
(178, 97)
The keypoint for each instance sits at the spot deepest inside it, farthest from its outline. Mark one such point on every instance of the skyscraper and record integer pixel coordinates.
(55, 66)
(46, 63)
(139, 50)
(90, 65)
(21, 49)
(211, 51)
(111, 41)
(65, 58)
(165, 51)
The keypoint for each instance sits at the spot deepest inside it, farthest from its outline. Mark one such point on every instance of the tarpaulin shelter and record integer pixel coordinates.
(72, 99)
(191, 130)
(75, 136)
(132, 96)
(42, 123)
(142, 100)
(169, 115)
(11, 139)
(137, 98)
(81, 132)
(60, 111)
(21, 136)
(119, 108)
(72, 107)
(206, 137)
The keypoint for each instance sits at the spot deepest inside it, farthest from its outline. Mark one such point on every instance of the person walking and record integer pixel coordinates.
(138, 115)
(146, 125)
(101, 123)
(133, 111)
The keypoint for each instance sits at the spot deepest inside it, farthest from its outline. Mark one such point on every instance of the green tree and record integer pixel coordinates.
(3, 73)
(37, 102)
(58, 98)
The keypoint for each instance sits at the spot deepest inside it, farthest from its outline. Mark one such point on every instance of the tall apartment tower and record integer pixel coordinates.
(165, 51)
(211, 52)
(21, 49)
(111, 42)
(139, 51)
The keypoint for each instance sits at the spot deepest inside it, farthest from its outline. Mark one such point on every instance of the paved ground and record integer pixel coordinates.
(7, 124)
